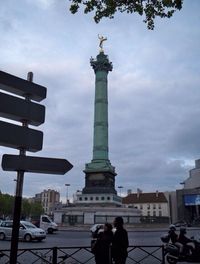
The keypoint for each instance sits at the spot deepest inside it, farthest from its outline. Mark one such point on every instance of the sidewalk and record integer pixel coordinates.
(129, 228)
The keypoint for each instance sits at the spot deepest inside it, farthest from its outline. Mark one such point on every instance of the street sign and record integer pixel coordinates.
(16, 85)
(24, 139)
(21, 110)
(20, 137)
(35, 164)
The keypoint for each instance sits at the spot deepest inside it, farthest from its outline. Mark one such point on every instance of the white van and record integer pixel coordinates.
(47, 224)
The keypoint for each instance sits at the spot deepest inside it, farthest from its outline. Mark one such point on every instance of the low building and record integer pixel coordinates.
(76, 215)
(154, 206)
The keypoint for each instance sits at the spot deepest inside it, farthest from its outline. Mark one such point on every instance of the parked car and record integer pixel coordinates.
(27, 231)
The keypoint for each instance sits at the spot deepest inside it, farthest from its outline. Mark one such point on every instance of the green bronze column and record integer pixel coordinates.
(100, 141)
(100, 173)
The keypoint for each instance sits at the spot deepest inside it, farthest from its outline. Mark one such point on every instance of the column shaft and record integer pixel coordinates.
(100, 140)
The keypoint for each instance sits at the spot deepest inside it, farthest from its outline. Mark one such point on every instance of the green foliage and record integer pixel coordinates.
(28, 208)
(149, 8)
(36, 209)
(6, 205)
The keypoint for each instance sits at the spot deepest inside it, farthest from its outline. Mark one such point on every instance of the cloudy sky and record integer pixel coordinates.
(154, 91)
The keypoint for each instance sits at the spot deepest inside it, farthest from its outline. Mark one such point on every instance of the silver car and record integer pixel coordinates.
(27, 231)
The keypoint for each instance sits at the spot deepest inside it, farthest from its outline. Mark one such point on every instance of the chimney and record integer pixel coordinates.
(157, 193)
(129, 191)
(138, 192)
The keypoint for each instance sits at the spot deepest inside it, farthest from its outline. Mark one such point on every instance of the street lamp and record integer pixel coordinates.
(120, 187)
(67, 185)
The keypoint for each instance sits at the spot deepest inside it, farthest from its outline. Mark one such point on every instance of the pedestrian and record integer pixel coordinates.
(101, 247)
(120, 242)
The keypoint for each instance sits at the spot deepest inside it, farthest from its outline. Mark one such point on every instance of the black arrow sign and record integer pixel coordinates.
(35, 164)
(16, 85)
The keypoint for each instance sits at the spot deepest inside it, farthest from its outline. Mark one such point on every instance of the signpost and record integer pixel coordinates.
(21, 110)
(20, 137)
(21, 87)
(24, 139)
(35, 164)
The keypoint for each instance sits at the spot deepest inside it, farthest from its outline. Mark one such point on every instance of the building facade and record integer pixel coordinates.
(188, 198)
(153, 206)
(49, 199)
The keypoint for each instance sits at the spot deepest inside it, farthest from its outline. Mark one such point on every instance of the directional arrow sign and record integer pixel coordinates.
(16, 85)
(35, 164)
(18, 137)
(21, 110)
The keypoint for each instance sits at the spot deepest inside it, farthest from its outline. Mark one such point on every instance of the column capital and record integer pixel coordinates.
(101, 63)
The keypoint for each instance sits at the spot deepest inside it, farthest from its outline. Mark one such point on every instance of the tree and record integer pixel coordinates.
(6, 205)
(28, 208)
(36, 209)
(149, 8)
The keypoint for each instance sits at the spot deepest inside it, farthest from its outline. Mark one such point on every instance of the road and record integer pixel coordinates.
(72, 239)
(83, 238)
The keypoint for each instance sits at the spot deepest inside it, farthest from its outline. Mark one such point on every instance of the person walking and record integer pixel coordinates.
(120, 242)
(101, 247)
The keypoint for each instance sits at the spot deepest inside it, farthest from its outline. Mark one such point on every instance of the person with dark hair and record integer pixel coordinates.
(173, 236)
(184, 240)
(101, 247)
(120, 242)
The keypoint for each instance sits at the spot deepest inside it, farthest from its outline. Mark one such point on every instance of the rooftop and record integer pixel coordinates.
(155, 197)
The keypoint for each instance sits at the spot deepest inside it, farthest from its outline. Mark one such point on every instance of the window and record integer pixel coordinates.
(160, 213)
(85, 198)
(91, 198)
(45, 219)
(159, 206)
(141, 206)
(148, 213)
(148, 206)
(102, 198)
(154, 206)
(108, 198)
(154, 213)
(97, 198)
(80, 198)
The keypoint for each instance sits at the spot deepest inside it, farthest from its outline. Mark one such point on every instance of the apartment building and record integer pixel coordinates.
(49, 199)
(152, 204)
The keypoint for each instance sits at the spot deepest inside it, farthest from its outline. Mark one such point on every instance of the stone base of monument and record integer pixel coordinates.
(98, 199)
(87, 215)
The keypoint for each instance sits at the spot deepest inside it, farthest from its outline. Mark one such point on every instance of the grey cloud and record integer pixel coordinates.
(153, 93)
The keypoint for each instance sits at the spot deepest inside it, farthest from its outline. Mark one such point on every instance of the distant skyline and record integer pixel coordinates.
(154, 92)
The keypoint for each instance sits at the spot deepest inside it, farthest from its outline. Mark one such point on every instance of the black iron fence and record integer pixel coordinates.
(81, 255)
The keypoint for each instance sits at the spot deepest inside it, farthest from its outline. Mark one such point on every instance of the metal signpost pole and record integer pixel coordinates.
(18, 199)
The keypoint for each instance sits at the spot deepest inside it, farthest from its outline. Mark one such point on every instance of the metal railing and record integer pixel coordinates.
(81, 255)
